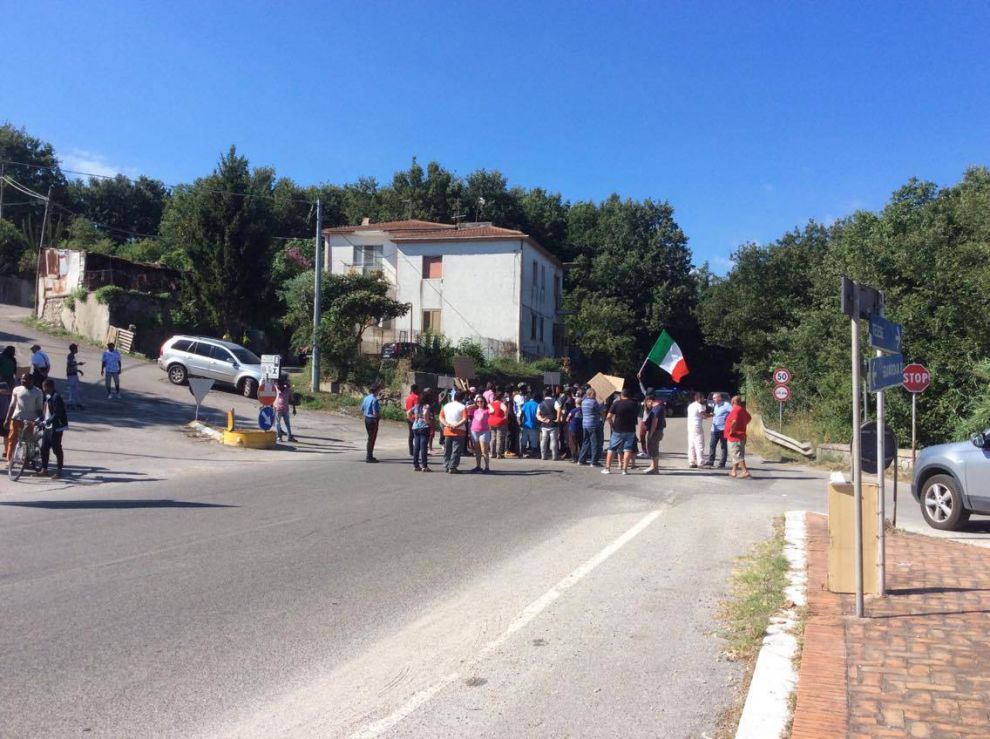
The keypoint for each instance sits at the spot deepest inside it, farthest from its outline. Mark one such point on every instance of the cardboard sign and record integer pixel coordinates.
(463, 367)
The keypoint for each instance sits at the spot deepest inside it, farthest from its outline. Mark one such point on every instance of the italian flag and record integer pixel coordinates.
(668, 356)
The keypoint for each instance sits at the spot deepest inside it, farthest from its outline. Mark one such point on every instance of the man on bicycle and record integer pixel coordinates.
(27, 406)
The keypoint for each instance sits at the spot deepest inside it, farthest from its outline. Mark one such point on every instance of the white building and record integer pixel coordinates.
(473, 281)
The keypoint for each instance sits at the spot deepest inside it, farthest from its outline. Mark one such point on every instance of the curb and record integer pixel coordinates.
(202, 429)
(775, 676)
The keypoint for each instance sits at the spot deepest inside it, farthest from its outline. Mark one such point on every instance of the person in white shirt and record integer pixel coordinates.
(110, 369)
(453, 418)
(696, 413)
(41, 365)
(27, 405)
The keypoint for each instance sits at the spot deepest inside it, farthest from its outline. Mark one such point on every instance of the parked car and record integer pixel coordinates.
(183, 357)
(951, 481)
(399, 349)
(675, 401)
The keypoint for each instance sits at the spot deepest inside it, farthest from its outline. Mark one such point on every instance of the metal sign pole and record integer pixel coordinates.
(317, 300)
(780, 417)
(914, 428)
(881, 479)
(857, 450)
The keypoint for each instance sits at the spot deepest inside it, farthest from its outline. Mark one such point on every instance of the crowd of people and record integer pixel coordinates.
(559, 423)
(31, 399)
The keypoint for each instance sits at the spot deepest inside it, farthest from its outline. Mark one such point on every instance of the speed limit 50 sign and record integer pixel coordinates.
(781, 376)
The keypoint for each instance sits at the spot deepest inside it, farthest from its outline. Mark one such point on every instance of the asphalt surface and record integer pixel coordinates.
(187, 589)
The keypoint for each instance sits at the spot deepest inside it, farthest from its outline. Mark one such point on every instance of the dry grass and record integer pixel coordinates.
(756, 594)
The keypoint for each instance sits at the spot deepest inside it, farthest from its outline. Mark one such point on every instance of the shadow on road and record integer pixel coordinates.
(113, 504)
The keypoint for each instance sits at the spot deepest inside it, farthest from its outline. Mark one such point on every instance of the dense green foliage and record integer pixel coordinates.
(928, 250)
(349, 305)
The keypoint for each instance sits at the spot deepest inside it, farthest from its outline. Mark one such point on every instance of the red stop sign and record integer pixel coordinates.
(916, 378)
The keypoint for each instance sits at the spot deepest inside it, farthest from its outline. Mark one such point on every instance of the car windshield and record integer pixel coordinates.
(244, 356)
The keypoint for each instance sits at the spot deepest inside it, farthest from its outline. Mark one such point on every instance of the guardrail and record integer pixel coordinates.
(787, 442)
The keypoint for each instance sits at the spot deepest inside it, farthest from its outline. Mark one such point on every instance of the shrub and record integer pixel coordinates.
(107, 294)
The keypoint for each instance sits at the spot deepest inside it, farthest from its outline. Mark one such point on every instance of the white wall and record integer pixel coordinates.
(538, 299)
(478, 295)
(486, 291)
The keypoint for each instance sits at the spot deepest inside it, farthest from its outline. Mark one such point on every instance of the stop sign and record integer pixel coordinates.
(916, 378)
(266, 392)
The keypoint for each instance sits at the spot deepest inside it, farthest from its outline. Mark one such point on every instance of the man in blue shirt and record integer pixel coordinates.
(529, 428)
(371, 409)
(591, 427)
(719, 414)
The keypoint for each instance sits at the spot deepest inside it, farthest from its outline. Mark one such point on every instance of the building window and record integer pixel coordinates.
(368, 258)
(543, 277)
(432, 268)
(556, 292)
(535, 272)
(541, 330)
(532, 327)
(431, 321)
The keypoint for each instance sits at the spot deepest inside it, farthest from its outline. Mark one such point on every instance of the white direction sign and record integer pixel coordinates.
(781, 376)
(199, 387)
(271, 366)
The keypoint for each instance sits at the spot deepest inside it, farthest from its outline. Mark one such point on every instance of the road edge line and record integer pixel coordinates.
(775, 677)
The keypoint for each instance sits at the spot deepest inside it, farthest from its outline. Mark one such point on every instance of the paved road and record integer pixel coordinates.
(294, 594)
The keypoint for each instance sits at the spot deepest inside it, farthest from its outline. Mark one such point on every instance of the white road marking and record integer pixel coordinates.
(534, 609)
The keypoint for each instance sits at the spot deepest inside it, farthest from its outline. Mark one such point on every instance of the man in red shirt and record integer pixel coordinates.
(411, 401)
(735, 434)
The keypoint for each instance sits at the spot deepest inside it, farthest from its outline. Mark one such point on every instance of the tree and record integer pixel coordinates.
(224, 224)
(350, 304)
(13, 247)
(32, 163)
(126, 209)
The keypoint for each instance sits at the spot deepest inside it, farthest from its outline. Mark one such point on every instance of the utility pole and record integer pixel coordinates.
(41, 248)
(318, 265)
(1, 189)
(857, 450)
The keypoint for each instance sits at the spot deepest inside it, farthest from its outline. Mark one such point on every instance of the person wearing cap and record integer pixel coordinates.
(41, 365)
(72, 375)
(110, 367)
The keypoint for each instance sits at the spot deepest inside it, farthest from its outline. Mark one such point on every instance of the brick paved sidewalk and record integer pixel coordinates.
(916, 666)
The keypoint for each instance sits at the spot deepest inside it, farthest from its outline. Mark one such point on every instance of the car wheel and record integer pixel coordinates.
(941, 503)
(249, 388)
(177, 374)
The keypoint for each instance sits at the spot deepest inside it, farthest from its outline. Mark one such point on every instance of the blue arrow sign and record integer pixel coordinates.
(886, 372)
(266, 418)
(885, 335)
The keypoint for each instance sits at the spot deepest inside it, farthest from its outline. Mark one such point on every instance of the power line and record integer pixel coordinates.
(96, 175)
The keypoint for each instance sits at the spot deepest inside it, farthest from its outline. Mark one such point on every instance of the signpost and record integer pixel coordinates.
(916, 380)
(885, 335)
(886, 372)
(266, 417)
(271, 366)
(781, 378)
(199, 387)
(266, 392)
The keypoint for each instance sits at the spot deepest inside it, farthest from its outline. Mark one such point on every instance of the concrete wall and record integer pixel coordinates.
(87, 318)
(16, 291)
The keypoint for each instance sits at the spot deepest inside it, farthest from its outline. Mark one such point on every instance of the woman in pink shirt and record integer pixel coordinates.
(481, 433)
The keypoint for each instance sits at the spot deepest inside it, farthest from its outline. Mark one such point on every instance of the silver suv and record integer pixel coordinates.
(183, 357)
(951, 481)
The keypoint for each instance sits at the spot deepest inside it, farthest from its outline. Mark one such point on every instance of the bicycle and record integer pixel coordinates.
(27, 450)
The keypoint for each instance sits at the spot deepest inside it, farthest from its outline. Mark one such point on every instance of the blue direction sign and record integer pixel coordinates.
(886, 372)
(885, 335)
(266, 418)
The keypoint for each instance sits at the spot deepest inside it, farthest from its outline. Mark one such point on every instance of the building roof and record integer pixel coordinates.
(408, 225)
(415, 231)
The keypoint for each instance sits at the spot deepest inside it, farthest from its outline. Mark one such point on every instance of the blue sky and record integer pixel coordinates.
(750, 118)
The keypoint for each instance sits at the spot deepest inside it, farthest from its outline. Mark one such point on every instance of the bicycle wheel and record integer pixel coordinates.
(16, 467)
